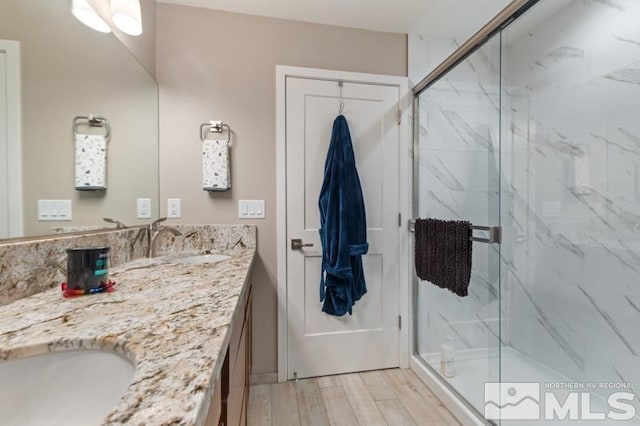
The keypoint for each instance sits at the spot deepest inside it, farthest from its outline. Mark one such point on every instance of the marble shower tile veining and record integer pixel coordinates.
(458, 177)
(558, 167)
(575, 208)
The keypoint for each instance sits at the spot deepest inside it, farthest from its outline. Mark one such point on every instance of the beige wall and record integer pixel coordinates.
(67, 70)
(219, 65)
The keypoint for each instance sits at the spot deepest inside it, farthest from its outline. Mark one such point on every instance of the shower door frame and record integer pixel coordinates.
(450, 397)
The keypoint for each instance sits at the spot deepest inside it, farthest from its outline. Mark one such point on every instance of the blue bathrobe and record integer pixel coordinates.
(343, 226)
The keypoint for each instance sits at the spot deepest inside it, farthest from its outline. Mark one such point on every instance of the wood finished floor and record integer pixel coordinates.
(386, 397)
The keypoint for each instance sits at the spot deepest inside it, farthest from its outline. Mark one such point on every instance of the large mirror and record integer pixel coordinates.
(66, 70)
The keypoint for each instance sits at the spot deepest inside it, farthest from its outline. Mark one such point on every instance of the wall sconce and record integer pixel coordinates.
(88, 16)
(126, 16)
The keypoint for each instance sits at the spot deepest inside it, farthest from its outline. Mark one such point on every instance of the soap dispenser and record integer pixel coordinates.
(447, 356)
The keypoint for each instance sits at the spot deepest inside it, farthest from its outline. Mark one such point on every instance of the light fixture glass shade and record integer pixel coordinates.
(126, 16)
(83, 11)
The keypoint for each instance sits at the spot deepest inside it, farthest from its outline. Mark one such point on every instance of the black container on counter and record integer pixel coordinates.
(87, 267)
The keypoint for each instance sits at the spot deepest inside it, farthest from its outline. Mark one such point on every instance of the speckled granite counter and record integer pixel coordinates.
(172, 320)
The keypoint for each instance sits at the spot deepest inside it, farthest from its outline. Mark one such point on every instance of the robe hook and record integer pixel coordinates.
(340, 83)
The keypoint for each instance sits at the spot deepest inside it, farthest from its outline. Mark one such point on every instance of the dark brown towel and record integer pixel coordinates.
(443, 253)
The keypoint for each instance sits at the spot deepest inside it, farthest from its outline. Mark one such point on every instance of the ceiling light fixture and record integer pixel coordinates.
(126, 16)
(88, 16)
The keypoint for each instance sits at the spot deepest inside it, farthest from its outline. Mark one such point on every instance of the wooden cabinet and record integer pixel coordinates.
(215, 409)
(230, 399)
(239, 368)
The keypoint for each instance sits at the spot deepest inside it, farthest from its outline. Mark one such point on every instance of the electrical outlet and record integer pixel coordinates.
(173, 208)
(143, 208)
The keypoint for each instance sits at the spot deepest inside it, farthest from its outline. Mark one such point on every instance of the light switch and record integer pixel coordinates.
(54, 210)
(259, 209)
(251, 209)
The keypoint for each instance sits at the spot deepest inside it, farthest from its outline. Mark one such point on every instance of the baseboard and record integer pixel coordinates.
(264, 379)
(450, 400)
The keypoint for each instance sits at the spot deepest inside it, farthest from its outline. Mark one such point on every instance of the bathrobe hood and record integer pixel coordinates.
(343, 226)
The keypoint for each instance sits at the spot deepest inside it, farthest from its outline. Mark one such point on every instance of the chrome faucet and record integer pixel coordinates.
(119, 225)
(154, 231)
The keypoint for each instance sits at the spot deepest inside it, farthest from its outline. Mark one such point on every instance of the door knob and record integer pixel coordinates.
(297, 244)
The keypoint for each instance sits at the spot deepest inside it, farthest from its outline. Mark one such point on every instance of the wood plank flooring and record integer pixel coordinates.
(387, 397)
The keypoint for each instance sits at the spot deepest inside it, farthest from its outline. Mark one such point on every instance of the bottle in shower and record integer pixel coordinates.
(447, 358)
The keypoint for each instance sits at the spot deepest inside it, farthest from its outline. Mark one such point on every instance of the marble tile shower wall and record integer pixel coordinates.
(30, 267)
(458, 179)
(427, 52)
(571, 167)
(570, 190)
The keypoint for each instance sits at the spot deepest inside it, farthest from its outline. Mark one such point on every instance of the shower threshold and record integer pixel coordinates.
(476, 367)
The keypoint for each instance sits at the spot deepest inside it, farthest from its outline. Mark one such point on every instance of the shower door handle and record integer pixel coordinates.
(495, 234)
(297, 244)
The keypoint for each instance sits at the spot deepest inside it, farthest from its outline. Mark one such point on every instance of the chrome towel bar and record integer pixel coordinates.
(495, 233)
(214, 127)
(92, 121)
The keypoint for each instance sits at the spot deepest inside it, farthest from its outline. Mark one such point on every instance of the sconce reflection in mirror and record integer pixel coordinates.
(86, 14)
(126, 15)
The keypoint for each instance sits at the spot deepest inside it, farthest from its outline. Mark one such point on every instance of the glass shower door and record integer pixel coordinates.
(458, 178)
(571, 208)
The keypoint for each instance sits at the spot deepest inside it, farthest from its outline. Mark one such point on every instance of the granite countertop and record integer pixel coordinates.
(171, 320)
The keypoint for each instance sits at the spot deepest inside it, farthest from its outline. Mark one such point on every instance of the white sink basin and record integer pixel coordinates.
(62, 388)
(200, 258)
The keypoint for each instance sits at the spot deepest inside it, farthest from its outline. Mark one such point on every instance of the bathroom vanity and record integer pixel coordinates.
(185, 325)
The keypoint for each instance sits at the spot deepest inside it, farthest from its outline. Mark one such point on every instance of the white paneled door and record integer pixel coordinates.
(10, 134)
(317, 343)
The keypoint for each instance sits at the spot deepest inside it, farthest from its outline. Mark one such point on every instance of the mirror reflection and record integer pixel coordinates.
(54, 68)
